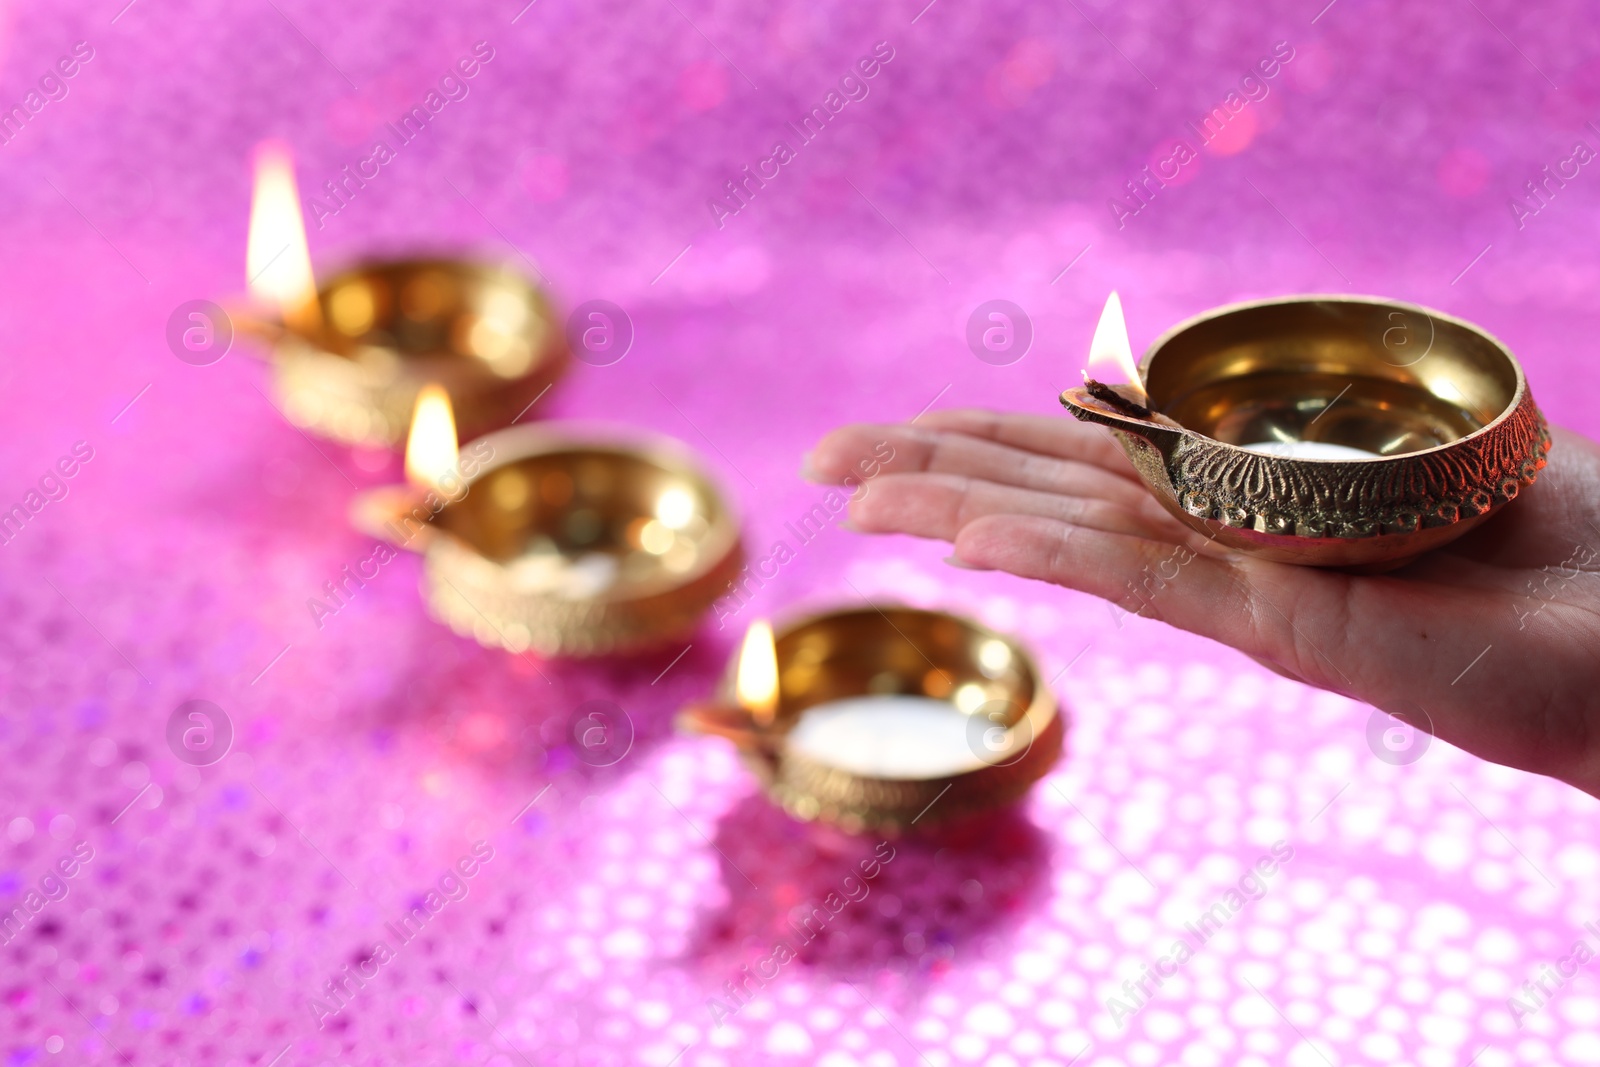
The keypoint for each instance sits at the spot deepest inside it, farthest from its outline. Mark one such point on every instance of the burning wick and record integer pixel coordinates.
(277, 259)
(431, 449)
(432, 464)
(1111, 345)
(1107, 395)
(756, 680)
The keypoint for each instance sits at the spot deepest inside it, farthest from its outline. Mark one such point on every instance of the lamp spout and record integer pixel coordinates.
(1115, 407)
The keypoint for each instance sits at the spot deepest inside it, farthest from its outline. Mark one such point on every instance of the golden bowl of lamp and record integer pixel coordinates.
(351, 367)
(568, 541)
(886, 719)
(1333, 431)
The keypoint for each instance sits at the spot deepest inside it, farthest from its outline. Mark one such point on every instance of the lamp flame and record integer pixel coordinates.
(277, 259)
(431, 451)
(1111, 345)
(756, 682)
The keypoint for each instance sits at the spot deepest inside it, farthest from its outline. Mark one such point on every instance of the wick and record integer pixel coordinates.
(1107, 395)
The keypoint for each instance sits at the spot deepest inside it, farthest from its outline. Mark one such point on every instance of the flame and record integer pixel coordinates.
(277, 259)
(1111, 345)
(756, 682)
(431, 452)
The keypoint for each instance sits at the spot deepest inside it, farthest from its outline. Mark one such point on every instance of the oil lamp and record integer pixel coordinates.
(350, 356)
(885, 719)
(566, 539)
(1337, 431)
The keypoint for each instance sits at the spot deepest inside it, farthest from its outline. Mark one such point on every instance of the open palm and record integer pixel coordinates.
(1491, 643)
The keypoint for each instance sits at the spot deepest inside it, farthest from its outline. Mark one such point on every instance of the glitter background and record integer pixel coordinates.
(370, 754)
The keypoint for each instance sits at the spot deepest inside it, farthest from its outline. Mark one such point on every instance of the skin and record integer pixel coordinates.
(1056, 500)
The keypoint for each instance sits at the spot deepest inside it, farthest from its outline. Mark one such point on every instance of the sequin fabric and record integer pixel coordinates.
(406, 857)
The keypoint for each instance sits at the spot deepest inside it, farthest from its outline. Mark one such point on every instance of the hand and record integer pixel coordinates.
(1054, 499)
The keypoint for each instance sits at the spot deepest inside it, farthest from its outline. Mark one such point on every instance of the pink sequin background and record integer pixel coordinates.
(372, 753)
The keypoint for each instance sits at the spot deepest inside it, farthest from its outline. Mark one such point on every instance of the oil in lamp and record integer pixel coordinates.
(885, 719)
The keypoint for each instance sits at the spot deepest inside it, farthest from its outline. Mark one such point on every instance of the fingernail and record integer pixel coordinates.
(964, 565)
(807, 471)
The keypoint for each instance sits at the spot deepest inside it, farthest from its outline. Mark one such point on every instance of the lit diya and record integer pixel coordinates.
(350, 356)
(885, 719)
(1323, 430)
(563, 539)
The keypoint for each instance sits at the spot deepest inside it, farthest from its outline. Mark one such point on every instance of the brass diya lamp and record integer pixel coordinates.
(351, 355)
(562, 539)
(1334, 431)
(885, 719)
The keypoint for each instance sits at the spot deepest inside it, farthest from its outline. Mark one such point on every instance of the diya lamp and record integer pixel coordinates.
(886, 719)
(349, 356)
(561, 538)
(1333, 431)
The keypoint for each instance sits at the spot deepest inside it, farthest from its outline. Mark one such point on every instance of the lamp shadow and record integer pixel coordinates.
(860, 907)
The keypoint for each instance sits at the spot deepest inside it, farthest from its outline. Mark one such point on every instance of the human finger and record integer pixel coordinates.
(939, 505)
(863, 451)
